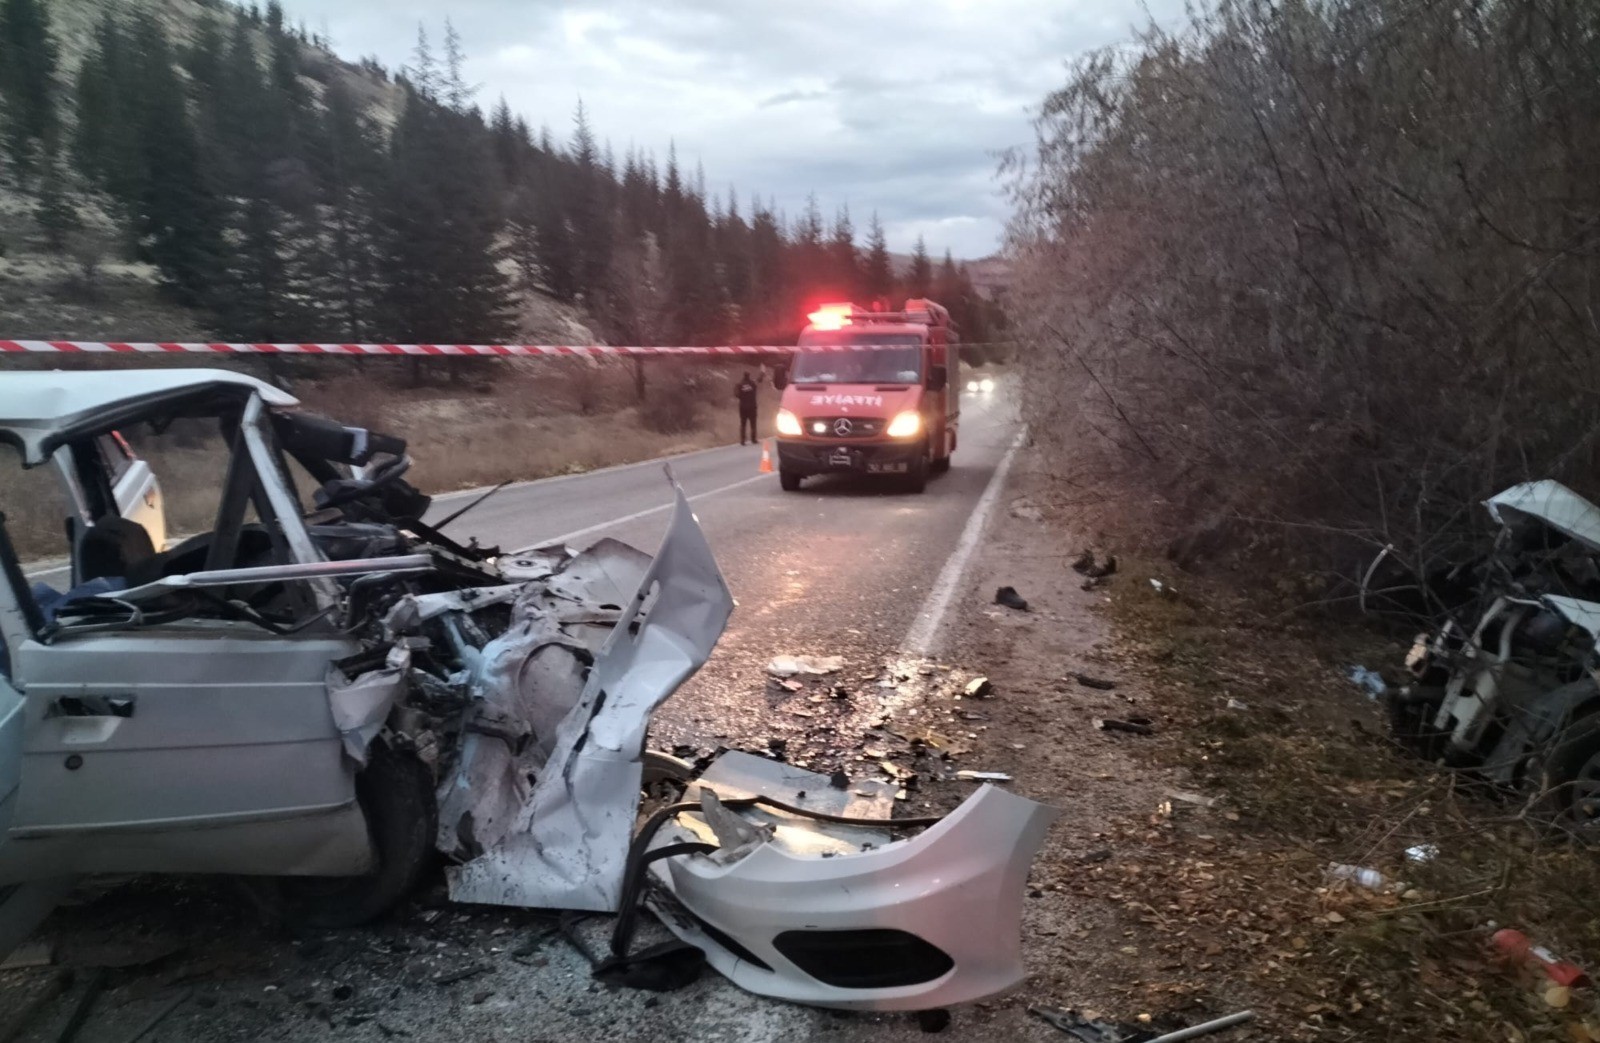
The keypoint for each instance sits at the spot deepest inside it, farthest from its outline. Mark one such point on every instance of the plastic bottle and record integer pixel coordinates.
(1369, 878)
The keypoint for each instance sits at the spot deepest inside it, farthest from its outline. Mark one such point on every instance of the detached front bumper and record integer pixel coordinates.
(834, 916)
(810, 457)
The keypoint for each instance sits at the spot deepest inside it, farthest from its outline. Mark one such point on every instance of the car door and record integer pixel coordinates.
(137, 490)
(199, 746)
(11, 722)
(176, 739)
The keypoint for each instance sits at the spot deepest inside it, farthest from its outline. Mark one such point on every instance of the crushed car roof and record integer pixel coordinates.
(39, 410)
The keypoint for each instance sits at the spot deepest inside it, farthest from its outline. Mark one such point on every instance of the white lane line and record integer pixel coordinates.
(930, 617)
(579, 534)
(555, 478)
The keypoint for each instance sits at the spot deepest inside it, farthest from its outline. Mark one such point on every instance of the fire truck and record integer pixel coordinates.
(871, 393)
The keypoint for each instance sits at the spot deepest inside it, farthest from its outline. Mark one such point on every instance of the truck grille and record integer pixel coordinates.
(843, 426)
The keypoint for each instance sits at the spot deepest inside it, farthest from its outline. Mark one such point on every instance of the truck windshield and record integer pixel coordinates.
(893, 365)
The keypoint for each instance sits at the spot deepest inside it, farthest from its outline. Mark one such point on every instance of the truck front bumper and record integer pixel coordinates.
(811, 457)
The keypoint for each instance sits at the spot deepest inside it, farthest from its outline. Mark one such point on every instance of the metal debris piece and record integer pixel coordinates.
(1074, 1024)
(1099, 684)
(1206, 1028)
(1108, 724)
(983, 776)
(979, 688)
(1192, 798)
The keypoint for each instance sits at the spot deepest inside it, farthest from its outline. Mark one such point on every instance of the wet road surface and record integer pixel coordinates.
(841, 568)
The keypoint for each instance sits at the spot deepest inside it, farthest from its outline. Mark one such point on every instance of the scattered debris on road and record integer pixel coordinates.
(983, 776)
(1136, 726)
(1095, 682)
(1008, 597)
(978, 688)
(812, 666)
(1369, 681)
(1087, 565)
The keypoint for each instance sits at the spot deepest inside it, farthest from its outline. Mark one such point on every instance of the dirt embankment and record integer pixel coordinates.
(1189, 875)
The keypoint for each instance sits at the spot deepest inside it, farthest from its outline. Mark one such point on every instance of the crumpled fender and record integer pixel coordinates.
(958, 886)
(568, 846)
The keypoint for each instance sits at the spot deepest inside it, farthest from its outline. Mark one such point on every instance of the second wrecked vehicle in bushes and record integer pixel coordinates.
(324, 692)
(1511, 686)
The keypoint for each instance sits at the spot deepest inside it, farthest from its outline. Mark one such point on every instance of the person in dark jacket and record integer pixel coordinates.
(746, 393)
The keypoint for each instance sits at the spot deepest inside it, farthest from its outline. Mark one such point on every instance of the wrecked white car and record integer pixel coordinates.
(1509, 690)
(325, 693)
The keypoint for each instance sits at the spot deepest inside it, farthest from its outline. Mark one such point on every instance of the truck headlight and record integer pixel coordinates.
(905, 425)
(986, 385)
(788, 423)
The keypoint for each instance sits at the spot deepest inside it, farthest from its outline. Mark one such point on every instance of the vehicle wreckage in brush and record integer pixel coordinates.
(327, 694)
(1508, 685)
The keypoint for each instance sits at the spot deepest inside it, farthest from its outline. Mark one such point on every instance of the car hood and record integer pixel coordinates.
(869, 400)
(1551, 503)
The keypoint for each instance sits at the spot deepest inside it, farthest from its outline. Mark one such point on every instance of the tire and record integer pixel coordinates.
(1569, 800)
(789, 481)
(917, 477)
(941, 465)
(661, 768)
(395, 791)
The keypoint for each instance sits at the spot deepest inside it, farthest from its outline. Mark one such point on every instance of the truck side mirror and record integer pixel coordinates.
(780, 377)
(938, 378)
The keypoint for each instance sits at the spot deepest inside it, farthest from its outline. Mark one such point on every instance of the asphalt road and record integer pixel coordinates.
(845, 567)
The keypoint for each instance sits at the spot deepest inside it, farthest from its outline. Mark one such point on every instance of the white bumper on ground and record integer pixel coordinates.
(837, 918)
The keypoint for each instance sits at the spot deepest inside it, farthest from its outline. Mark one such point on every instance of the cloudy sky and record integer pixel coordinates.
(898, 106)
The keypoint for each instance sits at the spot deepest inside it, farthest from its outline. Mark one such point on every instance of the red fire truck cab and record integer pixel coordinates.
(870, 392)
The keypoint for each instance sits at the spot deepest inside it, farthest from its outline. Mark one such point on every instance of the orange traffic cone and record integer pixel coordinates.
(766, 457)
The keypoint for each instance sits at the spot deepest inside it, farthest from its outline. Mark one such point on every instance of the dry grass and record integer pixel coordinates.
(1306, 777)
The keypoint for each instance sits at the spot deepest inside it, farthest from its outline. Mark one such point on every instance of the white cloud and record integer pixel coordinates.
(898, 106)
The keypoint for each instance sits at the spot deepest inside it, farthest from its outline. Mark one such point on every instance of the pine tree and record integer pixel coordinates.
(844, 265)
(27, 81)
(55, 212)
(878, 273)
(174, 212)
(457, 94)
(919, 281)
(440, 230)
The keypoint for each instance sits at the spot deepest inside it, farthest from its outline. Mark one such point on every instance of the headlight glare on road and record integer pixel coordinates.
(905, 425)
(788, 423)
(986, 384)
(972, 385)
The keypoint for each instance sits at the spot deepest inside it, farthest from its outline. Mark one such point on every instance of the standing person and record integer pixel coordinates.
(746, 393)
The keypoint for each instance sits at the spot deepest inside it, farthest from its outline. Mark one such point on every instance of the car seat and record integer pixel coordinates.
(115, 547)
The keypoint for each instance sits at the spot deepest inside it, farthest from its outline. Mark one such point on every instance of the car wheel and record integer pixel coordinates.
(941, 465)
(396, 794)
(789, 481)
(917, 477)
(1570, 786)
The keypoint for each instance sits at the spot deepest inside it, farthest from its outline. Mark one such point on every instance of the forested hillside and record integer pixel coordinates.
(281, 194)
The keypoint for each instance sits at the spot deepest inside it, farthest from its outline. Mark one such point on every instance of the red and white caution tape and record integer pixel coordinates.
(73, 347)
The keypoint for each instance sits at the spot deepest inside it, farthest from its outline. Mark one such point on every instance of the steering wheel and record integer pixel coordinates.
(356, 488)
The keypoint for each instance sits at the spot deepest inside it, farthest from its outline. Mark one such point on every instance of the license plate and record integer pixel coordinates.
(899, 468)
(839, 460)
